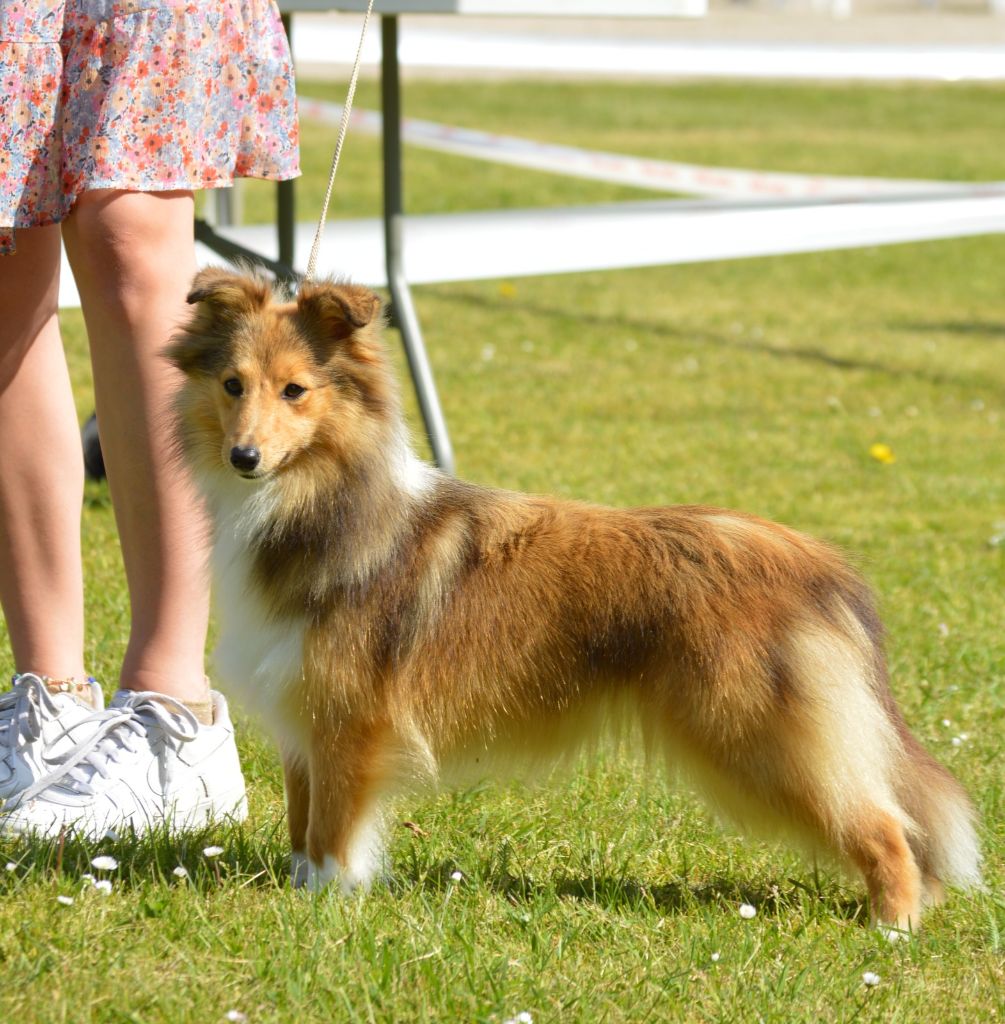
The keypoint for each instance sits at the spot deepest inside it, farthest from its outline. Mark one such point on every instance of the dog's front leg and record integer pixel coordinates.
(298, 796)
(343, 834)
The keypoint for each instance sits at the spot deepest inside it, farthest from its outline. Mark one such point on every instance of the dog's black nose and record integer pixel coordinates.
(244, 459)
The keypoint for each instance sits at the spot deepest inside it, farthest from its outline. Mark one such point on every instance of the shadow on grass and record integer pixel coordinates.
(971, 328)
(679, 897)
(659, 329)
(618, 893)
(213, 858)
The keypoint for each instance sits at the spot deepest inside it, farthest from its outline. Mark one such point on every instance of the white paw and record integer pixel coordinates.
(365, 860)
(320, 876)
(355, 877)
(299, 869)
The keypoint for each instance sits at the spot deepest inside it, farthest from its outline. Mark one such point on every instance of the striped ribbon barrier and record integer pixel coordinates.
(656, 175)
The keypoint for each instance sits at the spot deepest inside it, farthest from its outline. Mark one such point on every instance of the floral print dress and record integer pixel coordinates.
(143, 95)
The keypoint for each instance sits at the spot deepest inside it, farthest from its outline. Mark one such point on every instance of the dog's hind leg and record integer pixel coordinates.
(877, 844)
(822, 765)
(800, 801)
(843, 757)
(344, 842)
(298, 795)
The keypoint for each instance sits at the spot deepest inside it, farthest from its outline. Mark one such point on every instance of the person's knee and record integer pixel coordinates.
(29, 287)
(126, 247)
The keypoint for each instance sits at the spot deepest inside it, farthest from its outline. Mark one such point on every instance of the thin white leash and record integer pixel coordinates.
(343, 128)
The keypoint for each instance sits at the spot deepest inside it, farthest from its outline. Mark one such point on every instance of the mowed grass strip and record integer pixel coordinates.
(758, 384)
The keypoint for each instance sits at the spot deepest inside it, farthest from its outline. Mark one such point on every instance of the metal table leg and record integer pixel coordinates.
(285, 209)
(402, 307)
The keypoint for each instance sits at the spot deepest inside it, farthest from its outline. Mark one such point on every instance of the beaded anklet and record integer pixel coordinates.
(82, 689)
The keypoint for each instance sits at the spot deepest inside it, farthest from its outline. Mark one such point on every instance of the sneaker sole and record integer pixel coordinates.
(230, 807)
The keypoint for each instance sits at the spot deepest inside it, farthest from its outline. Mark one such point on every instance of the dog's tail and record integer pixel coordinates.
(944, 841)
(939, 819)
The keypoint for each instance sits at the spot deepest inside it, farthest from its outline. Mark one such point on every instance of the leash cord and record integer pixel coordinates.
(343, 128)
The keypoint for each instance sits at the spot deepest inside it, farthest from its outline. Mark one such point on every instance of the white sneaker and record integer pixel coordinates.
(37, 728)
(147, 762)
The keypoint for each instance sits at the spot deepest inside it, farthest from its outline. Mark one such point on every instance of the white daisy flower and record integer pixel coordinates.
(104, 863)
(715, 958)
(236, 1016)
(456, 876)
(870, 979)
(212, 851)
(747, 911)
(180, 872)
(66, 901)
(103, 885)
(11, 866)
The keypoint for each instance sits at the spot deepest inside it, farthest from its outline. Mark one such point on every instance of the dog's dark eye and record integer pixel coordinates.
(293, 391)
(233, 387)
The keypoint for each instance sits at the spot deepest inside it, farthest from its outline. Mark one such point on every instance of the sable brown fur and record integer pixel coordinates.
(399, 627)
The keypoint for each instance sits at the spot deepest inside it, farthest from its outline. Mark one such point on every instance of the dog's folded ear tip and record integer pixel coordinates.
(354, 304)
(224, 287)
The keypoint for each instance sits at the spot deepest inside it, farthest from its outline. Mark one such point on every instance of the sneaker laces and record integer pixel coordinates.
(24, 710)
(121, 730)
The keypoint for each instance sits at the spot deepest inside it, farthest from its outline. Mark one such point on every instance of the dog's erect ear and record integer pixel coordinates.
(221, 297)
(225, 294)
(337, 310)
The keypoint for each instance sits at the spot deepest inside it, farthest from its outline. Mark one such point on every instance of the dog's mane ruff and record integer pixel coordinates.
(343, 516)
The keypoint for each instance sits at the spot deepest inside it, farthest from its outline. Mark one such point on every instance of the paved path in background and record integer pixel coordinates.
(882, 40)
(526, 243)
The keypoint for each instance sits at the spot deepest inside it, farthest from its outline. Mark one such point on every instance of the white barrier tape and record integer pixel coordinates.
(322, 42)
(658, 175)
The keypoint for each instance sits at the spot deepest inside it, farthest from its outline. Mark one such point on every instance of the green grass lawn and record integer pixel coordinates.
(759, 384)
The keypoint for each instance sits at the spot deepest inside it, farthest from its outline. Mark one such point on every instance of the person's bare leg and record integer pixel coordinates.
(133, 257)
(41, 467)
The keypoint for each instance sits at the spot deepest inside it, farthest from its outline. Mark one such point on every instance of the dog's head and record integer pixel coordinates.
(271, 382)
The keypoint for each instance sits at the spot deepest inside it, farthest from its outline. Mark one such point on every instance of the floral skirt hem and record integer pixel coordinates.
(7, 243)
(141, 95)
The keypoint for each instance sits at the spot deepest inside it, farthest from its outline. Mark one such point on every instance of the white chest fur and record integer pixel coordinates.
(258, 656)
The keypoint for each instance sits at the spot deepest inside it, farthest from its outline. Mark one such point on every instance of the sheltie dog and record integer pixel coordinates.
(396, 626)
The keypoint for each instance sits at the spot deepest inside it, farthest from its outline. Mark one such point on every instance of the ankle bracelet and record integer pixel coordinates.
(71, 684)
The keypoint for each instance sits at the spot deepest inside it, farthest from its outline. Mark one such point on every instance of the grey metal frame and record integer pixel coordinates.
(403, 314)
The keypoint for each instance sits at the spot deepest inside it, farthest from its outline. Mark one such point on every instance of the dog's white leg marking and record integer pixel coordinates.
(320, 876)
(366, 855)
(365, 861)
